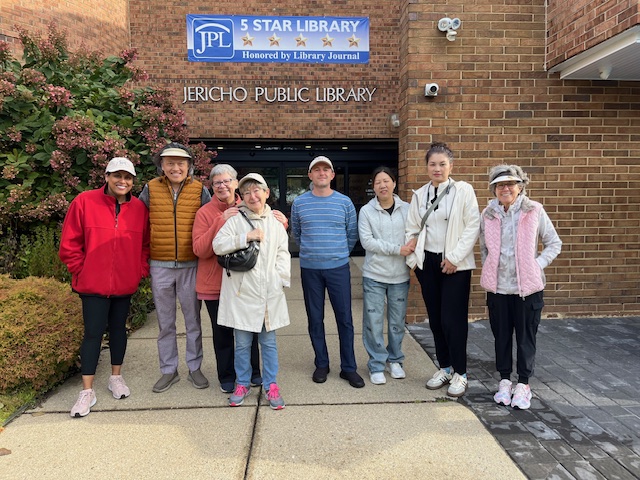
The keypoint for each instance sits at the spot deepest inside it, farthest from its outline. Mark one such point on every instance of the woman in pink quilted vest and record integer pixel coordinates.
(511, 227)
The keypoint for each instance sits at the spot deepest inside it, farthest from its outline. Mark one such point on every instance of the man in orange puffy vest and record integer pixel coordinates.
(173, 200)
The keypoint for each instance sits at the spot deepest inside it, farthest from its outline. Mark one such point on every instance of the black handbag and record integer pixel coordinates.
(241, 260)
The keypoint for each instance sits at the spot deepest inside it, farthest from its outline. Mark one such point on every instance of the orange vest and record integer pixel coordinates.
(171, 222)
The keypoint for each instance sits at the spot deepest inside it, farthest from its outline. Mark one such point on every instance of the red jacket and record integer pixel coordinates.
(106, 254)
(208, 222)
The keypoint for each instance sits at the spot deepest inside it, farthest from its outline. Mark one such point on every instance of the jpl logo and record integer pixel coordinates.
(212, 37)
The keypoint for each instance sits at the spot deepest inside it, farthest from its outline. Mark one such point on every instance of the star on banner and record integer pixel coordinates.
(301, 41)
(247, 40)
(327, 41)
(353, 41)
(274, 40)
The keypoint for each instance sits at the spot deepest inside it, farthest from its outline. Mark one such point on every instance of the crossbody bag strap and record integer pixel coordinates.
(247, 219)
(433, 206)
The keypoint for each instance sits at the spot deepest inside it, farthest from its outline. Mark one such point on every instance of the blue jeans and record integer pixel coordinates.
(242, 360)
(375, 294)
(337, 281)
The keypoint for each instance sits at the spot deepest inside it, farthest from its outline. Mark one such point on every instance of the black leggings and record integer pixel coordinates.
(100, 313)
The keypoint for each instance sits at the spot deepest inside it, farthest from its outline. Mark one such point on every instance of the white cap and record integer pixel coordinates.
(320, 159)
(175, 152)
(118, 164)
(506, 178)
(256, 177)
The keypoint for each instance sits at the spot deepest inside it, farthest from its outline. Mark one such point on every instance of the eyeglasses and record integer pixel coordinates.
(510, 185)
(226, 182)
(256, 191)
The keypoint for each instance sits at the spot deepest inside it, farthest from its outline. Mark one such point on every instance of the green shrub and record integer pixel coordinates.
(64, 115)
(41, 330)
(141, 305)
(38, 254)
(8, 250)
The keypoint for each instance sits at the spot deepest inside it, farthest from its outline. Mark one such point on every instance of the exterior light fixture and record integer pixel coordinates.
(449, 26)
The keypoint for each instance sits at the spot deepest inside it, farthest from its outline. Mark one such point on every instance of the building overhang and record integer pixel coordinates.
(615, 59)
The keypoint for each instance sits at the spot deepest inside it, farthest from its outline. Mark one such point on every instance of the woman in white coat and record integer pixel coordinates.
(254, 301)
(443, 226)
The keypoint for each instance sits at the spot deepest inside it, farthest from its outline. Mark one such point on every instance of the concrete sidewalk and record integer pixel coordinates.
(330, 430)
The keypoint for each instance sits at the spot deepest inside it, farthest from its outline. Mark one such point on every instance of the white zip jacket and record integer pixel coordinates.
(250, 299)
(463, 226)
(382, 235)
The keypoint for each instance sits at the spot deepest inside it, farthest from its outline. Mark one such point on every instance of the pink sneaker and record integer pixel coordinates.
(117, 387)
(521, 397)
(503, 395)
(273, 396)
(86, 400)
(240, 393)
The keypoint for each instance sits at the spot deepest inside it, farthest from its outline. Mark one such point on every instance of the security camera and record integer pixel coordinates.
(431, 89)
(444, 24)
(451, 35)
(455, 23)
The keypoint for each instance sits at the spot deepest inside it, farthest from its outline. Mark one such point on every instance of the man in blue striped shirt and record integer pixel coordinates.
(325, 227)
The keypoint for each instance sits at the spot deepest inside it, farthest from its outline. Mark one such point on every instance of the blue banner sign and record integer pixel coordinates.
(238, 38)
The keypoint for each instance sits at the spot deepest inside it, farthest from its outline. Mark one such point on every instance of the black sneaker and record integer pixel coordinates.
(353, 378)
(320, 374)
(227, 387)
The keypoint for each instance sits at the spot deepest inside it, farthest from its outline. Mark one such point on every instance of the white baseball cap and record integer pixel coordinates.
(118, 164)
(320, 159)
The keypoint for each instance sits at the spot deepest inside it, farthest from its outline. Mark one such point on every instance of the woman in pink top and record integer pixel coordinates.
(511, 227)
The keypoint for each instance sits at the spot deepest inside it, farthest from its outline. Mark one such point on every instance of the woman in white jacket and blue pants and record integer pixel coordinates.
(254, 301)
(443, 260)
(385, 275)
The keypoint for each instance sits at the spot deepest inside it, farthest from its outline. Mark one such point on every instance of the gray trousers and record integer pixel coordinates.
(168, 284)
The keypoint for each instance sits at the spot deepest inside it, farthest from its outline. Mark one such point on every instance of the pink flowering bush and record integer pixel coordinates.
(64, 115)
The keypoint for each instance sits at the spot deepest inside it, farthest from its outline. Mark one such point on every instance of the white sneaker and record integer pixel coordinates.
(503, 395)
(377, 378)
(457, 386)
(521, 397)
(439, 379)
(396, 371)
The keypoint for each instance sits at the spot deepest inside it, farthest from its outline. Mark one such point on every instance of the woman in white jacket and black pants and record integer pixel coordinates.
(443, 260)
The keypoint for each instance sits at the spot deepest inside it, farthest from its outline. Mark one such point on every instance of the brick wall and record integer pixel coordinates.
(578, 140)
(580, 24)
(98, 24)
(158, 31)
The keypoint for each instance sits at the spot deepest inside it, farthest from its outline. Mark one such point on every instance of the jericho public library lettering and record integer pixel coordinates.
(278, 94)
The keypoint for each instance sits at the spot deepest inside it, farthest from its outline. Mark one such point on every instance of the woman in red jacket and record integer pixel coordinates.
(105, 245)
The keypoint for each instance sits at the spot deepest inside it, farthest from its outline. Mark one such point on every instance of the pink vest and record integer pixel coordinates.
(528, 273)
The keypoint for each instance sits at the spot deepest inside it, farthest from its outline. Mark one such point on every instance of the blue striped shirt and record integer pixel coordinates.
(325, 229)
